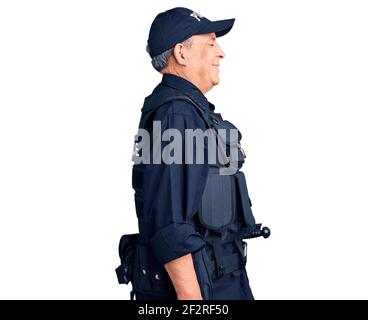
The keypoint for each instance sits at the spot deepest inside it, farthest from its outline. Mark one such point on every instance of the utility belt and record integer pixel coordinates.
(230, 263)
(139, 267)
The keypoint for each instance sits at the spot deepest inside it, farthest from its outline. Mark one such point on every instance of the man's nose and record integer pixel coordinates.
(221, 53)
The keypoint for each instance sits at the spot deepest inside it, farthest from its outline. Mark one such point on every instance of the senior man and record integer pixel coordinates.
(192, 218)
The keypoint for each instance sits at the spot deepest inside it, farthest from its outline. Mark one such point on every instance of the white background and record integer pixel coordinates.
(73, 77)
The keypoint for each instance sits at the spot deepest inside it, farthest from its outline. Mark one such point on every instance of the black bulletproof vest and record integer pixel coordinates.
(223, 194)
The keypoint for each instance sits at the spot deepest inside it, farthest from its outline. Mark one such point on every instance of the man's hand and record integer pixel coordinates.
(184, 278)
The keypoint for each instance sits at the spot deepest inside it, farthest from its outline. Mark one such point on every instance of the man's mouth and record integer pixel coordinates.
(216, 66)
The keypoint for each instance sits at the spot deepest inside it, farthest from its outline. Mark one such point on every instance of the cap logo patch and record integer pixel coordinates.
(196, 15)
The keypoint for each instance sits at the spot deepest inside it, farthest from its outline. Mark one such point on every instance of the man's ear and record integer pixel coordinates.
(180, 54)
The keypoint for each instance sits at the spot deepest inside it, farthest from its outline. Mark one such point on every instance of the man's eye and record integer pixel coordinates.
(212, 45)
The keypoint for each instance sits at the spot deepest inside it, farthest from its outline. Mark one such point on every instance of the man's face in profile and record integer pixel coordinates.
(204, 59)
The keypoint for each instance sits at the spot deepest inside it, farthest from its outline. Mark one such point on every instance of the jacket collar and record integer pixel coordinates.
(188, 88)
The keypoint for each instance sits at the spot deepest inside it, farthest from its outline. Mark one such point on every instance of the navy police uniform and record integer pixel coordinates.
(168, 198)
(188, 208)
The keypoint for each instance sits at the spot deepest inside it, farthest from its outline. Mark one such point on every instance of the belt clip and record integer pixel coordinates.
(220, 271)
(242, 252)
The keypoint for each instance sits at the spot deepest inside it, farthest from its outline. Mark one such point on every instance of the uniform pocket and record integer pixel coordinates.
(218, 202)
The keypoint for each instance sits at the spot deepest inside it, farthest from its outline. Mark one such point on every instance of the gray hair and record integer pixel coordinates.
(160, 61)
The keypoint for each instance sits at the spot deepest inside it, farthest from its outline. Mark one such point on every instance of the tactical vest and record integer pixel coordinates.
(225, 196)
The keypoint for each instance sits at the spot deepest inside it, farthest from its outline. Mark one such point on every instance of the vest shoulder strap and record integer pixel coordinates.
(153, 102)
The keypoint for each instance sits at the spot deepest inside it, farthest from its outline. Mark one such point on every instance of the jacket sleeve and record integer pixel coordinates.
(172, 195)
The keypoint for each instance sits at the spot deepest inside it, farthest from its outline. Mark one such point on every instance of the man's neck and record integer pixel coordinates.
(185, 76)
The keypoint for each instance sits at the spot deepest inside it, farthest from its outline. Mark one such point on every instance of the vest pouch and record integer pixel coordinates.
(204, 275)
(217, 209)
(244, 200)
(229, 141)
(127, 248)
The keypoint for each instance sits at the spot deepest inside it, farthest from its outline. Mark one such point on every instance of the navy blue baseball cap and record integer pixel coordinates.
(178, 24)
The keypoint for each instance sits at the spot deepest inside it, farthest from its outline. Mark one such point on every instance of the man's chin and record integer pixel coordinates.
(216, 82)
